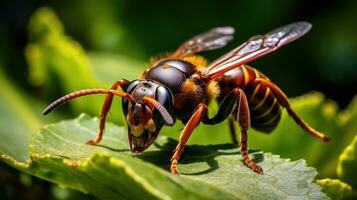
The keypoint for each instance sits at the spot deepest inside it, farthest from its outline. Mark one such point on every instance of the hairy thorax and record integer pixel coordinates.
(188, 93)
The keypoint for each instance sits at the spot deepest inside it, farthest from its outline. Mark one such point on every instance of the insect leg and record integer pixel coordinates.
(283, 100)
(185, 135)
(105, 109)
(225, 109)
(232, 131)
(243, 118)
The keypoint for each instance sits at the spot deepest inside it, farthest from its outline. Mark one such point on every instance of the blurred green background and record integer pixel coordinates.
(130, 32)
(325, 60)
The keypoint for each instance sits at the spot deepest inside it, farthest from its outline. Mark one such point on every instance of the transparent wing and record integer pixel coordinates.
(256, 47)
(210, 40)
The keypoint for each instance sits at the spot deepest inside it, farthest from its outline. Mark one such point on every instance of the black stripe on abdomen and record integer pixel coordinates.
(264, 108)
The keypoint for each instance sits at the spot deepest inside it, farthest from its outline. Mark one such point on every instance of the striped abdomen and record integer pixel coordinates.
(264, 108)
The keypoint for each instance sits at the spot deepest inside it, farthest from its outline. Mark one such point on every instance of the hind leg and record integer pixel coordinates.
(283, 100)
(237, 99)
(232, 131)
(243, 118)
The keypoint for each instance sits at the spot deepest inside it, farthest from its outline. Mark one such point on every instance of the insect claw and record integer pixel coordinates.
(326, 139)
(92, 142)
(175, 172)
(173, 167)
(257, 169)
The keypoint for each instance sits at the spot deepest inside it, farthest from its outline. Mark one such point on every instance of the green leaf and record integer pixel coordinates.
(347, 164)
(21, 117)
(335, 188)
(59, 154)
(56, 62)
(59, 65)
(55, 59)
(288, 139)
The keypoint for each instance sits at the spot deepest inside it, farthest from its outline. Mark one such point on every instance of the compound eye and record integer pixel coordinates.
(165, 98)
(130, 88)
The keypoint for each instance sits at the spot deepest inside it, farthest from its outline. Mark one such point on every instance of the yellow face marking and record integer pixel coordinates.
(267, 91)
(136, 130)
(150, 126)
(245, 74)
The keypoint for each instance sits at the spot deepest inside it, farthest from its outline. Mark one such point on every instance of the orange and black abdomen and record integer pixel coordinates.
(264, 108)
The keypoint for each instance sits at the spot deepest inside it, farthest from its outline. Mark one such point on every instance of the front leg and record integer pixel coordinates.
(185, 135)
(105, 109)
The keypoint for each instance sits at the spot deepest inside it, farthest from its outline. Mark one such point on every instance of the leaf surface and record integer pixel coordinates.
(288, 139)
(347, 164)
(20, 118)
(335, 188)
(60, 155)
